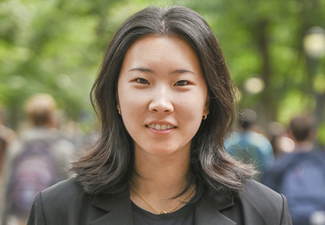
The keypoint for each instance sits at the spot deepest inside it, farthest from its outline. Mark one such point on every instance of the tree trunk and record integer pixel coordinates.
(269, 108)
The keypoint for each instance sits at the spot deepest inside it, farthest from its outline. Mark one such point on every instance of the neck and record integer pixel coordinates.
(160, 178)
(161, 174)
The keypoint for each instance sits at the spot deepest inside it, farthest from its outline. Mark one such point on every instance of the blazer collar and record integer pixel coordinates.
(207, 210)
(118, 209)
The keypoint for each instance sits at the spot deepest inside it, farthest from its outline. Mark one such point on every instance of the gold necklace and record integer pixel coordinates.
(162, 212)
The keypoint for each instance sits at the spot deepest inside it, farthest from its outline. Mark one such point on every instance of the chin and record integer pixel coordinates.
(165, 151)
(162, 148)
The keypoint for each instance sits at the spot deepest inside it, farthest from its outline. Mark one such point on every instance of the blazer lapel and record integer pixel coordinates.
(207, 210)
(118, 210)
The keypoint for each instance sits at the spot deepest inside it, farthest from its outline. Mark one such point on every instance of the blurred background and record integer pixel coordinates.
(274, 49)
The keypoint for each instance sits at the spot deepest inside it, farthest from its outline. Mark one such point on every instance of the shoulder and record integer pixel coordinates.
(64, 192)
(258, 140)
(258, 193)
(67, 203)
(261, 203)
(63, 202)
(287, 161)
(256, 204)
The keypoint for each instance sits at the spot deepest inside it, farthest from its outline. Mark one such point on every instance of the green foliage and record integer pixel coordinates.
(321, 133)
(56, 47)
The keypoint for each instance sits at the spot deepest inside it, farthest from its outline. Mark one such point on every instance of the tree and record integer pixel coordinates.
(56, 47)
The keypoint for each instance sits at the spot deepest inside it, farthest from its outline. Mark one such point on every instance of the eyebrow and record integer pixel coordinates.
(181, 71)
(146, 70)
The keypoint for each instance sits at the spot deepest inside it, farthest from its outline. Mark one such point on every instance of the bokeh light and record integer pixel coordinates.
(254, 85)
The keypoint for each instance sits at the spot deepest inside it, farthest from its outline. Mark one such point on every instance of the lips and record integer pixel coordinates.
(160, 126)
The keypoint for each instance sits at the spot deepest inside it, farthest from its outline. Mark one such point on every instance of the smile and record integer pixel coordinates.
(160, 126)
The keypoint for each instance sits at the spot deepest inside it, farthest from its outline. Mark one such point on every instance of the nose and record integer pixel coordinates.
(161, 101)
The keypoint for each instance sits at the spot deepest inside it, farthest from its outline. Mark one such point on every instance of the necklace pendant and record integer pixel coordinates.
(163, 212)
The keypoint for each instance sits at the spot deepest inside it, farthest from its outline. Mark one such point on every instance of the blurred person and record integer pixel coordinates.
(70, 129)
(275, 132)
(73, 128)
(38, 159)
(249, 146)
(165, 100)
(91, 138)
(7, 135)
(61, 123)
(300, 175)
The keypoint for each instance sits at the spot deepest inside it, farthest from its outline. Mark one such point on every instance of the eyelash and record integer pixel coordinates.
(181, 81)
(142, 81)
(178, 83)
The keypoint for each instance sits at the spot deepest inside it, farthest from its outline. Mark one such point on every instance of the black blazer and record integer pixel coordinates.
(67, 204)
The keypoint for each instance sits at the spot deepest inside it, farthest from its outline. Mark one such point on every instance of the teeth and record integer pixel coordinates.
(160, 127)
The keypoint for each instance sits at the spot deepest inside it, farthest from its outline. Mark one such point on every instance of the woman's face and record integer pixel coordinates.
(162, 94)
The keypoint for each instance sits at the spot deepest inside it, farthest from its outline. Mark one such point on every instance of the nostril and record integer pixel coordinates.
(160, 106)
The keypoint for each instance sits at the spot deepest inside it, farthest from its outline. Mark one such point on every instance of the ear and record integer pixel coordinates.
(206, 112)
(117, 99)
(207, 105)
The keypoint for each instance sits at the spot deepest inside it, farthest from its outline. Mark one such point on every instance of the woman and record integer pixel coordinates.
(166, 103)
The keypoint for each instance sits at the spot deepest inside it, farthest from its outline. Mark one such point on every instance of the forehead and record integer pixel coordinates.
(161, 53)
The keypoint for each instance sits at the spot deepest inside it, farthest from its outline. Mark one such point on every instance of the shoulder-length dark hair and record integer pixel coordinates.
(109, 166)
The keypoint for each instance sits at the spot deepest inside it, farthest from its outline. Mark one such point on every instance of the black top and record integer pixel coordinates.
(67, 203)
(183, 216)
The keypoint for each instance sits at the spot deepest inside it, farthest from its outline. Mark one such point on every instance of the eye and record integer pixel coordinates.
(181, 83)
(142, 81)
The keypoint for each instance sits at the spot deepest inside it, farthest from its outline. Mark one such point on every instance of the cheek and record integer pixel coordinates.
(193, 105)
(191, 113)
(129, 99)
(133, 108)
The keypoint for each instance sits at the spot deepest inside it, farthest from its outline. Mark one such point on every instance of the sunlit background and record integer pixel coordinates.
(275, 51)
